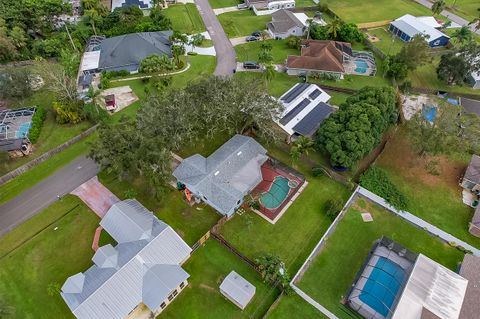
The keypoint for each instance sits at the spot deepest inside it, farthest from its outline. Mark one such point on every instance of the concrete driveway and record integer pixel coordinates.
(239, 40)
(226, 58)
(96, 196)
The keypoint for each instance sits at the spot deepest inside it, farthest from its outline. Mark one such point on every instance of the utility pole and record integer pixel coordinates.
(70, 37)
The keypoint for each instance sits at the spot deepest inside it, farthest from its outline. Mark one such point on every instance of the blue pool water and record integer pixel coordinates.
(23, 130)
(430, 112)
(362, 66)
(277, 193)
(382, 286)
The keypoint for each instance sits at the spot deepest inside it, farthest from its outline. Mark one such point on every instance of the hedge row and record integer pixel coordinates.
(377, 181)
(37, 123)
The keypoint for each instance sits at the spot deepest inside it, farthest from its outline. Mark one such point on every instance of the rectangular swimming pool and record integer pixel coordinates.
(382, 286)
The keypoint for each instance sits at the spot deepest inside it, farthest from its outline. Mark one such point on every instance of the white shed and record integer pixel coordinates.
(237, 289)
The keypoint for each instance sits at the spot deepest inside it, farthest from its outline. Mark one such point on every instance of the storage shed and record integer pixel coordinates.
(237, 289)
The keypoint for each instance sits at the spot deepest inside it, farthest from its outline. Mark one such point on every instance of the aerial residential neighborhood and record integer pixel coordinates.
(269, 159)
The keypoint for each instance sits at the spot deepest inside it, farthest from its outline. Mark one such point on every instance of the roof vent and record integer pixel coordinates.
(239, 153)
(216, 173)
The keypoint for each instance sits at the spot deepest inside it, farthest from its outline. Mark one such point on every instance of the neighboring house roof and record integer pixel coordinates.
(128, 50)
(225, 176)
(430, 21)
(321, 56)
(473, 170)
(305, 109)
(434, 288)
(476, 217)
(471, 106)
(470, 270)
(283, 21)
(142, 4)
(90, 61)
(122, 276)
(238, 289)
(413, 26)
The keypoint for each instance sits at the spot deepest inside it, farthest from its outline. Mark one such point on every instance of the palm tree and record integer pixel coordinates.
(333, 27)
(462, 35)
(476, 22)
(301, 146)
(196, 40)
(93, 95)
(438, 6)
(269, 72)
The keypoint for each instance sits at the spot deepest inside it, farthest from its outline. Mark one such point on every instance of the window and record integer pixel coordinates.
(175, 292)
(170, 298)
(238, 203)
(182, 285)
(163, 305)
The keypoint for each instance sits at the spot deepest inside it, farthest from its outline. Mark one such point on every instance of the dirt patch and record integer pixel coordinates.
(430, 170)
(204, 286)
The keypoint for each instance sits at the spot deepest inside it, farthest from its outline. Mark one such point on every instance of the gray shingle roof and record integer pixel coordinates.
(114, 286)
(284, 20)
(126, 51)
(226, 175)
(238, 288)
(473, 170)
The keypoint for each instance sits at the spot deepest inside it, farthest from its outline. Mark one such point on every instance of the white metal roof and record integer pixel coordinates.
(413, 26)
(433, 287)
(430, 21)
(90, 60)
(291, 105)
(237, 288)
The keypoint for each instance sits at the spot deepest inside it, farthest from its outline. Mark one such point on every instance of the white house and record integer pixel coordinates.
(270, 4)
(305, 109)
(284, 24)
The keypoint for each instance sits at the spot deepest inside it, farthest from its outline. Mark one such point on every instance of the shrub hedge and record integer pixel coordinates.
(377, 181)
(37, 123)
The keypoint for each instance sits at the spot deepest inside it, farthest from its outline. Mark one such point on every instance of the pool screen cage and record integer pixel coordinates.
(393, 249)
(11, 122)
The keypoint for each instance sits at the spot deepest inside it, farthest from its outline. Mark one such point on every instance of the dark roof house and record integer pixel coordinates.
(284, 23)
(224, 178)
(320, 55)
(125, 52)
(472, 174)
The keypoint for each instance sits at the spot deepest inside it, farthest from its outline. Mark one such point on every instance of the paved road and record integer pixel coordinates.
(226, 58)
(448, 14)
(41, 195)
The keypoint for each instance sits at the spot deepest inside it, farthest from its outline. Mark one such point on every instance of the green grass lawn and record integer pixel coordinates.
(358, 11)
(242, 23)
(304, 3)
(215, 4)
(425, 76)
(250, 51)
(207, 267)
(333, 270)
(49, 257)
(434, 198)
(467, 9)
(206, 43)
(185, 18)
(388, 43)
(293, 306)
(190, 223)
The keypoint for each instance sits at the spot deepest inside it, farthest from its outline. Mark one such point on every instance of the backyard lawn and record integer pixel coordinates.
(250, 51)
(207, 267)
(49, 257)
(387, 43)
(293, 306)
(332, 272)
(242, 23)
(185, 18)
(434, 198)
(359, 11)
(191, 223)
(215, 4)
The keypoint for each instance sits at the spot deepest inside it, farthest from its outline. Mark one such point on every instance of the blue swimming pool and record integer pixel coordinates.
(362, 66)
(382, 286)
(23, 130)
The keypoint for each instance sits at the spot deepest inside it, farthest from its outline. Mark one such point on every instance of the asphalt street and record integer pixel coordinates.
(41, 195)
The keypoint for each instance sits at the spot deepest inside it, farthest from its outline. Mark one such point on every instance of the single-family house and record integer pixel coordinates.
(270, 4)
(470, 270)
(284, 24)
(407, 27)
(471, 192)
(142, 4)
(332, 57)
(237, 289)
(142, 269)
(474, 80)
(124, 52)
(224, 178)
(305, 108)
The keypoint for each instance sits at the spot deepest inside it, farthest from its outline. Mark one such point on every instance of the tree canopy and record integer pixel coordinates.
(357, 127)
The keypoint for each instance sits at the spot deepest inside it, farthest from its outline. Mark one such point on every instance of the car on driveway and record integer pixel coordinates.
(257, 34)
(251, 65)
(242, 6)
(251, 38)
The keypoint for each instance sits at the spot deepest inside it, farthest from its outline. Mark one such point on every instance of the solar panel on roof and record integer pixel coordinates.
(312, 121)
(295, 92)
(315, 94)
(295, 111)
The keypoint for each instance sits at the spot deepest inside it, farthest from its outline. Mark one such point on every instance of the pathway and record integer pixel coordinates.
(226, 58)
(239, 40)
(225, 10)
(96, 196)
(41, 195)
(461, 21)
